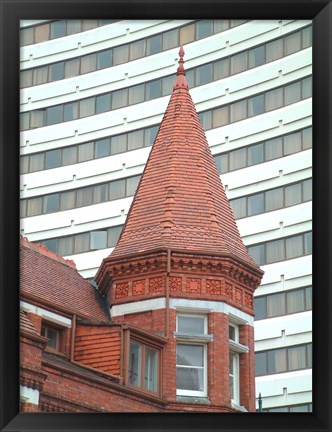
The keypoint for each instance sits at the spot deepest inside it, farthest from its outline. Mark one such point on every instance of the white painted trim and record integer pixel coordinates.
(29, 395)
(193, 306)
(49, 316)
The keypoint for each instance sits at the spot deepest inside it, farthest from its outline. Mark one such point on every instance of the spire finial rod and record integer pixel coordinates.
(181, 70)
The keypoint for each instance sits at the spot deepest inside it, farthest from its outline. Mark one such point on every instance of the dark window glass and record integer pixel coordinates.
(84, 196)
(117, 189)
(153, 90)
(103, 103)
(102, 148)
(206, 119)
(153, 45)
(118, 144)
(150, 135)
(256, 105)
(204, 74)
(308, 243)
(98, 240)
(104, 59)
(58, 29)
(222, 163)
(51, 244)
(255, 154)
(203, 28)
(54, 114)
(70, 111)
(57, 71)
(255, 204)
(221, 69)
(190, 77)
(257, 56)
(261, 363)
(260, 307)
(277, 361)
(53, 159)
(113, 235)
(51, 203)
(275, 251)
(258, 253)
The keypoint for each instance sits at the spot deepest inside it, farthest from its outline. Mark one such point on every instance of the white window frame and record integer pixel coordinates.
(236, 377)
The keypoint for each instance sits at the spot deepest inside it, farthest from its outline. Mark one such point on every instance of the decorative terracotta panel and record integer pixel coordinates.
(122, 290)
(175, 284)
(213, 286)
(248, 300)
(155, 284)
(228, 291)
(238, 295)
(194, 285)
(139, 287)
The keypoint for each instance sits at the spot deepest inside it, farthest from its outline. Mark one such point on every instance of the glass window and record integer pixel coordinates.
(58, 29)
(239, 63)
(34, 206)
(294, 247)
(277, 361)
(237, 22)
(23, 208)
(56, 71)
(190, 367)
(203, 28)
(85, 152)
(191, 324)
(113, 235)
(307, 190)
(150, 135)
(24, 164)
(260, 307)
(293, 93)
(72, 68)
(87, 107)
(120, 54)
(187, 34)
(297, 358)
(51, 244)
(275, 251)
(167, 85)
(220, 25)
(102, 148)
(257, 56)
(103, 103)
(308, 243)
(137, 49)
(309, 355)
(273, 149)
(40, 75)
(222, 163)
(117, 189)
(308, 298)
(255, 154)
(84, 196)
(238, 111)
(26, 78)
(292, 43)
(26, 36)
(135, 364)
(132, 183)
(151, 369)
(170, 39)
(238, 159)
(70, 111)
(274, 199)
(153, 89)
(261, 363)
(273, 99)
(67, 200)
(276, 305)
(37, 118)
(204, 74)
(255, 105)
(53, 336)
(104, 59)
(153, 45)
(293, 194)
(136, 94)
(73, 26)
(190, 77)
(239, 207)
(206, 119)
(88, 63)
(274, 50)
(306, 88)
(53, 159)
(234, 376)
(69, 155)
(81, 243)
(307, 37)
(37, 162)
(42, 33)
(257, 253)
(221, 69)
(98, 240)
(292, 143)
(118, 144)
(135, 140)
(100, 193)
(295, 301)
(66, 246)
(24, 121)
(255, 204)
(54, 114)
(51, 203)
(88, 24)
(119, 98)
(307, 138)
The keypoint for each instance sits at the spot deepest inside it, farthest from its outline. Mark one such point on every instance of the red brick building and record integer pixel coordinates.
(170, 325)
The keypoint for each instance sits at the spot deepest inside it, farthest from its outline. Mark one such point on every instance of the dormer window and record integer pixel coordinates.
(54, 335)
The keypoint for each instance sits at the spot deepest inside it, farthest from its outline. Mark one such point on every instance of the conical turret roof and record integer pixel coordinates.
(180, 202)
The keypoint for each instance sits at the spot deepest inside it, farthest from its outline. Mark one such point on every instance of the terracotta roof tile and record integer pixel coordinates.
(26, 325)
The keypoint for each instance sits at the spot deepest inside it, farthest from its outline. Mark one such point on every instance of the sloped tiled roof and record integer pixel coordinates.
(56, 282)
(26, 325)
(180, 202)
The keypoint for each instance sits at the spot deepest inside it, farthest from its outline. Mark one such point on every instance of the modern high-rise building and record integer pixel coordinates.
(93, 93)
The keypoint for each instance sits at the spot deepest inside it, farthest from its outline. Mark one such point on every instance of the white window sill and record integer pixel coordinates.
(239, 407)
(193, 337)
(204, 400)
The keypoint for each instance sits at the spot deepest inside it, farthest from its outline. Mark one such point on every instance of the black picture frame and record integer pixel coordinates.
(320, 11)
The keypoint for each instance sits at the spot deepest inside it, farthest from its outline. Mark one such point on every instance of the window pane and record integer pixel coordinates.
(187, 34)
(113, 235)
(135, 365)
(117, 189)
(69, 155)
(103, 103)
(119, 98)
(308, 298)
(204, 74)
(42, 33)
(151, 369)
(203, 28)
(257, 253)
(239, 63)
(273, 149)
(88, 63)
(273, 99)
(150, 135)
(54, 114)
(51, 244)
(274, 50)
(24, 121)
(66, 245)
(85, 152)
(36, 162)
(170, 39)
(153, 90)
(275, 251)
(189, 379)
(167, 85)
(67, 200)
(297, 358)
(137, 49)
(120, 54)
(82, 243)
(238, 159)
(191, 325)
(40, 75)
(292, 143)
(276, 305)
(255, 204)
(58, 29)
(222, 163)
(256, 105)
(132, 183)
(136, 94)
(306, 88)
(238, 111)
(221, 69)
(87, 107)
(237, 22)
(102, 148)
(84, 196)
(70, 111)
(260, 363)
(73, 26)
(255, 154)
(239, 207)
(274, 199)
(220, 25)
(292, 43)
(293, 93)
(307, 37)
(308, 243)
(153, 45)
(118, 144)
(295, 301)
(135, 140)
(277, 361)
(23, 208)
(257, 56)
(190, 77)
(24, 164)
(57, 71)
(98, 240)
(34, 206)
(307, 138)
(26, 78)
(72, 68)
(53, 159)
(104, 59)
(26, 36)
(294, 247)
(189, 355)
(293, 194)
(89, 24)
(51, 203)
(260, 307)
(309, 355)
(206, 119)
(100, 193)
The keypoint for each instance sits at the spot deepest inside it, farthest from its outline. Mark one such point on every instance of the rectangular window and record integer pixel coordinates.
(54, 336)
(153, 45)
(297, 358)
(170, 39)
(293, 93)
(119, 98)
(37, 119)
(294, 247)
(100, 193)
(26, 78)
(51, 203)
(54, 114)
(26, 36)
(221, 69)
(87, 107)
(70, 111)
(276, 361)
(88, 63)
(34, 207)
(58, 29)
(81, 243)
(307, 138)
(187, 34)
(273, 149)
(117, 189)
(257, 56)
(260, 307)
(42, 33)
(292, 43)
(255, 154)
(274, 199)
(238, 159)
(273, 99)
(37, 162)
(137, 49)
(120, 54)
(239, 63)
(167, 85)
(132, 183)
(69, 155)
(255, 105)
(192, 324)
(150, 135)
(113, 235)
(151, 370)
(204, 29)
(40, 75)
(85, 152)
(118, 144)
(135, 364)
(98, 240)
(136, 94)
(274, 50)
(204, 74)
(292, 143)
(190, 369)
(103, 103)
(239, 207)
(67, 200)
(234, 376)
(222, 163)
(72, 68)
(255, 204)
(276, 305)
(275, 251)
(135, 140)
(73, 26)
(153, 89)
(258, 253)
(295, 301)
(293, 194)
(104, 59)
(306, 88)
(102, 148)
(206, 119)
(238, 111)
(66, 246)
(84, 196)
(57, 71)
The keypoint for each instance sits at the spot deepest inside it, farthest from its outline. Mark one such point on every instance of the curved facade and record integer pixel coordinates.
(93, 96)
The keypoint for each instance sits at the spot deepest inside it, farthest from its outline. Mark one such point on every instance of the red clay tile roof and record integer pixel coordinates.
(180, 202)
(26, 325)
(54, 281)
